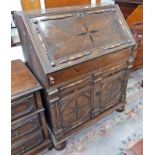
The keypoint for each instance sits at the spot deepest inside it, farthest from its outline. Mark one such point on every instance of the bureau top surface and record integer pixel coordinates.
(22, 80)
(68, 36)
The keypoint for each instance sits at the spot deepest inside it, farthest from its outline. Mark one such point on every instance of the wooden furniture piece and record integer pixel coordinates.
(135, 22)
(137, 30)
(61, 3)
(29, 134)
(128, 6)
(135, 16)
(137, 149)
(28, 5)
(82, 57)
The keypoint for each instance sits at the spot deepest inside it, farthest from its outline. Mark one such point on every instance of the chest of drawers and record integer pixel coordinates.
(29, 134)
(81, 56)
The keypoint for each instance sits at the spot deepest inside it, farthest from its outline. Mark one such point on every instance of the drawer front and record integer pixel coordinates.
(27, 143)
(22, 107)
(24, 127)
(75, 71)
(70, 88)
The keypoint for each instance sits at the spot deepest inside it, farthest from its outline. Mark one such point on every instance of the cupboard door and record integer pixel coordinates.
(75, 109)
(107, 91)
(70, 104)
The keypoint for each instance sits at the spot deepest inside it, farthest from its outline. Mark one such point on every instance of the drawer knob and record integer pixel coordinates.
(51, 80)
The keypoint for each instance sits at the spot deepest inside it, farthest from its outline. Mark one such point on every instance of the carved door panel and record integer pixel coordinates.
(75, 109)
(71, 104)
(107, 91)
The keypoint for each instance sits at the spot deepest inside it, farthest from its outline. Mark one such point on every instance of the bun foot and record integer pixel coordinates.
(121, 109)
(50, 147)
(60, 146)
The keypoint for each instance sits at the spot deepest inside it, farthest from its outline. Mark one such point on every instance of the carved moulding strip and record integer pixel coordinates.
(55, 17)
(101, 11)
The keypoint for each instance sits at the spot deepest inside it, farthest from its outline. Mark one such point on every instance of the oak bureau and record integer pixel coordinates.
(82, 56)
(29, 133)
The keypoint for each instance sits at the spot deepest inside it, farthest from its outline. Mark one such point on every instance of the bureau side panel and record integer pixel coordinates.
(29, 51)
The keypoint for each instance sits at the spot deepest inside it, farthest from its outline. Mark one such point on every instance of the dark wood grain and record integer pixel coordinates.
(22, 80)
(29, 134)
(82, 56)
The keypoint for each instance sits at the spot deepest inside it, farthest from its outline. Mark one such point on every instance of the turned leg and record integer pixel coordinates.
(121, 109)
(60, 146)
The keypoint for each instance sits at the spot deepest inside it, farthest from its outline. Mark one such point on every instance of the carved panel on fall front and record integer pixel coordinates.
(72, 36)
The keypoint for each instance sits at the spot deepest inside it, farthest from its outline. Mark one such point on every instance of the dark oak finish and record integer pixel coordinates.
(82, 56)
(29, 134)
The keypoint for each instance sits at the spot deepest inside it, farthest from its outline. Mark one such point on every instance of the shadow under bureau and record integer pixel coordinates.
(82, 56)
(29, 134)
